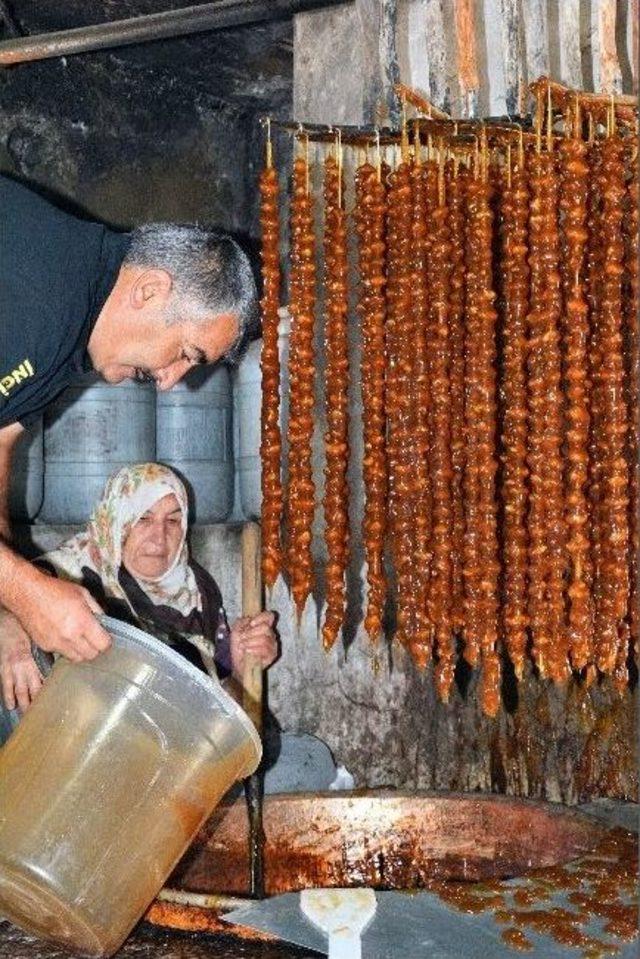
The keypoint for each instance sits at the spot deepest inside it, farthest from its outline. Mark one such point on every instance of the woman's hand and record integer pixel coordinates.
(20, 677)
(255, 635)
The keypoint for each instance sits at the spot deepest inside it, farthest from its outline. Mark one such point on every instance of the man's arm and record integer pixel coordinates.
(57, 615)
(8, 438)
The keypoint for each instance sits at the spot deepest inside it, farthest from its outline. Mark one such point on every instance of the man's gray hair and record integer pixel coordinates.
(211, 274)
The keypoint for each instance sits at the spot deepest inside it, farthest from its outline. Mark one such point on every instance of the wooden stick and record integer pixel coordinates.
(252, 679)
(217, 901)
(269, 146)
(252, 682)
(626, 106)
(420, 102)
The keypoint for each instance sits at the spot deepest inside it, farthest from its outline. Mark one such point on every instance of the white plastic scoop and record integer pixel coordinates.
(341, 914)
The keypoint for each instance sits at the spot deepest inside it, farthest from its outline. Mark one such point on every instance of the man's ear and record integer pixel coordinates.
(153, 285)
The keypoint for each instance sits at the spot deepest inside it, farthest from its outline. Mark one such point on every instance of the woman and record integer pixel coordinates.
(134, 559)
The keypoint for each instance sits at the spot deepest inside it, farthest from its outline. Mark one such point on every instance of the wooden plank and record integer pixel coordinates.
(377, 39)
(416, 39)
(514, 56)
(536, 30)
(464, 18)
(570, 55)
(492, 94)
(388, 59)
(610, 77)
(439, 91)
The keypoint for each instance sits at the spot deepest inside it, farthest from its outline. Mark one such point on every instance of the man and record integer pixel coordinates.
(76, 296)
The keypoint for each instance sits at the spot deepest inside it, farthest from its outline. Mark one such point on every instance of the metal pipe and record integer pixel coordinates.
(154, 26)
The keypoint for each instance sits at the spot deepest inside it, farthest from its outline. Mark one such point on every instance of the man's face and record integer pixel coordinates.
(164, 353)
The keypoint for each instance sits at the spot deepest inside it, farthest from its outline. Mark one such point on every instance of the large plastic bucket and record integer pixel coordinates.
(104, 784)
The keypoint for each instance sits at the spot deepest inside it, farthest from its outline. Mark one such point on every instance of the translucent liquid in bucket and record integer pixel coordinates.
(104, 784)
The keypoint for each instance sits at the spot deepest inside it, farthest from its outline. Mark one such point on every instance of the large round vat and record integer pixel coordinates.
(386, 840)
(486, 875)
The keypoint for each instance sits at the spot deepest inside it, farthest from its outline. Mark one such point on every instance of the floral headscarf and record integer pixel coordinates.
(129, 493)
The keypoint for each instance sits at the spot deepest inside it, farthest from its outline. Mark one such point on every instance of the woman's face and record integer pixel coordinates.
(153, 541)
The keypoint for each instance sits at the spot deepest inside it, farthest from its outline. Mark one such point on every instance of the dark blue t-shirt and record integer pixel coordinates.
(56, 272)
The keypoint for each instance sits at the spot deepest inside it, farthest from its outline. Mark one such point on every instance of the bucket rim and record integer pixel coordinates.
(118, 629)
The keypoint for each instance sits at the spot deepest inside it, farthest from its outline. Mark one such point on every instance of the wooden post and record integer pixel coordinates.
(610, 80)
(252, 678)
(464, 14)
(252, 701)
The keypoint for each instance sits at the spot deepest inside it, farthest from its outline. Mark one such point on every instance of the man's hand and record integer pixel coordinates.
(253, 634)
(57, 615)
(20, 677)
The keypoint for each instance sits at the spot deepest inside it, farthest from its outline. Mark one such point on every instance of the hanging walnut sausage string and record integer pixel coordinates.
(336, 497)
(421, 179)
(485, 425)
(439, 587)
(428, 317)
(471, 553)
(301, 491)
(631, 340)
(593, 270)
(513, 394)
(271, 441)
(400, 441)
(456, 179)
(369, 220)
(613, 573)
(573, 210)
(546, 510)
